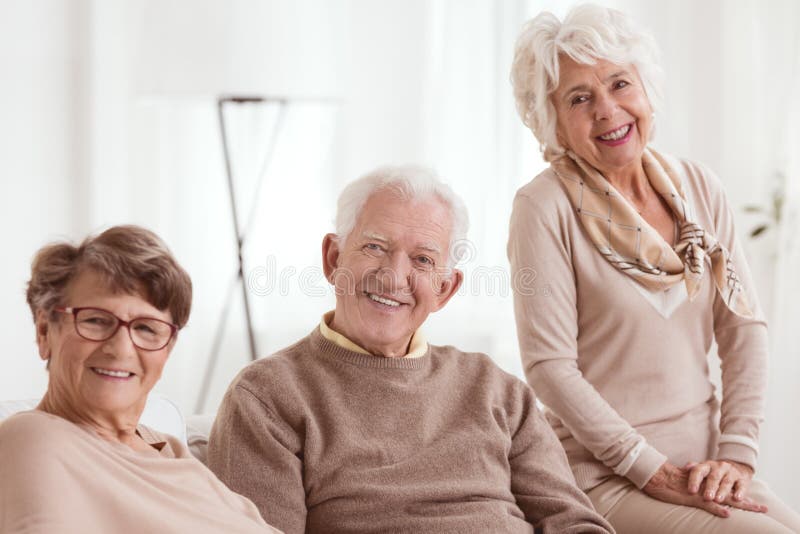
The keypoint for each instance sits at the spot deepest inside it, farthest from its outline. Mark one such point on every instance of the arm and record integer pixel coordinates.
(541, 480)
(259, 456)
(742, 348)
(547, 326)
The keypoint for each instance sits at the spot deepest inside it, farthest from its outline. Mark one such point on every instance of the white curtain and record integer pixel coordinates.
(781, 436)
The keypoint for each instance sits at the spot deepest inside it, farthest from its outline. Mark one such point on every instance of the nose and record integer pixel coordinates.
(604, 106)
(120, 343)
(396, 272)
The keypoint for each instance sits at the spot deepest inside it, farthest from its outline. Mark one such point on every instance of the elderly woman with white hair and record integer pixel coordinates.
(635, 272)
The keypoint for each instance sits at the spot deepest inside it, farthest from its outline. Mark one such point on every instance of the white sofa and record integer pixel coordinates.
(160, 414)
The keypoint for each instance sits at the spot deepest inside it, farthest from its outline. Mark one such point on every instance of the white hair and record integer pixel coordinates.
(409, 182)
(588, 33)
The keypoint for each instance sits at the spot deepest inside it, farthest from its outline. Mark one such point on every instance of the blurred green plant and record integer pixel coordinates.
(772, 213)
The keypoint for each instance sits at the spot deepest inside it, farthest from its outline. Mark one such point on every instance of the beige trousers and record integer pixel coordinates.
(631, 511)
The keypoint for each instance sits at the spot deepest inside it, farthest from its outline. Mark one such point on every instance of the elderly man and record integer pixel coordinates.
(362, 426)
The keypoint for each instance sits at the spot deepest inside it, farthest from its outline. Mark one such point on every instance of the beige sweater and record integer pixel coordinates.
(59, 477)
(623, 371)
(326, 439)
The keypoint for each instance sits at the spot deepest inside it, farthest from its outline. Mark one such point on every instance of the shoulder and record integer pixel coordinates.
(474, 368)
(545, 194)
(704, 189)
(702, 183)
(277, 368)
(27, 441)
(31, 424)
(476, 377)
(278, 384)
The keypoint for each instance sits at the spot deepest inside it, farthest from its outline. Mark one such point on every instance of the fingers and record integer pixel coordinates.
(748, 504)
(726, 487)
(740, 489)
(714, 479)
(696, 475)
(713, 508)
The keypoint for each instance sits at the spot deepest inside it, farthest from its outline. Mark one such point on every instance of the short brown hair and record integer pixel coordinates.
(130, 259)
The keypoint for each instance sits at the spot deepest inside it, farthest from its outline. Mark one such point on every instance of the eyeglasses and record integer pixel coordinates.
(97, 324)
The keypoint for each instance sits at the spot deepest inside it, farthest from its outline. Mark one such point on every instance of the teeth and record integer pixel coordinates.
(616, 134)
(115, 374)
(382, 300)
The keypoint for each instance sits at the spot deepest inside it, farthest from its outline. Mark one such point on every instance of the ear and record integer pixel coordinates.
(330, 255)
(448, 286)
(43, 334)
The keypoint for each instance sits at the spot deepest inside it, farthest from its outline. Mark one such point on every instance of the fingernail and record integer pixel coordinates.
(693, 489)
(738, 496)
(709, 495)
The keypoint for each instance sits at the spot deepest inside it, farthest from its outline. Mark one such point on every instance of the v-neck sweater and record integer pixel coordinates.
(624, 372)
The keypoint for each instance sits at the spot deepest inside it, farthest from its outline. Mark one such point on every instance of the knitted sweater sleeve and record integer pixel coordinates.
(742, 343)
(545, 306)
(541, 480)
(259, 456)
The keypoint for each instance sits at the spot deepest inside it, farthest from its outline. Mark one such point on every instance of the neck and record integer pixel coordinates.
(398, 350)
(120, 428)
(631, 182)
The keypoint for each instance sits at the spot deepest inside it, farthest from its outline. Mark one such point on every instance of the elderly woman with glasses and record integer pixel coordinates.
(628, 270)
(107, 314)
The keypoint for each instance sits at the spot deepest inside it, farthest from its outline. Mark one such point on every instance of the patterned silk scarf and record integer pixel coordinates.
(634, 247)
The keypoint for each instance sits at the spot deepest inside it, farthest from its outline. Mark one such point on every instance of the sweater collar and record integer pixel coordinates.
(332, 350)
(417, 348)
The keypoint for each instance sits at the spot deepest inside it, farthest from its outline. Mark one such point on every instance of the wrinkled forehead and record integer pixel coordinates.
(389, 217)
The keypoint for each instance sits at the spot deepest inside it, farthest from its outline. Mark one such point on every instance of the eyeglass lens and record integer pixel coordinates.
(98, 325)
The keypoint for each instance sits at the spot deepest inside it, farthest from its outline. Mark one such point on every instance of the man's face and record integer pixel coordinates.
(391, 272)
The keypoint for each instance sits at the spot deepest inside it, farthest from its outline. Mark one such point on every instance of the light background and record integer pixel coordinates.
(109, 117)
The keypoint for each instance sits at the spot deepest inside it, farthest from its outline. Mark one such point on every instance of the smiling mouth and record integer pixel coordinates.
(112, 373)
(617, 134)
(384, 300)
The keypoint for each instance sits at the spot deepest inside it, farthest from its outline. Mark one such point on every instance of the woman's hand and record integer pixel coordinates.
(671, 484)
(723, 479)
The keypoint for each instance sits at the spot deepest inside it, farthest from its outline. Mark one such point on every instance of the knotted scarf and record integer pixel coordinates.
(633, 246)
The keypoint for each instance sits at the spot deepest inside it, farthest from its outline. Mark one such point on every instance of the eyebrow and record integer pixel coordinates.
(584, 87)
(430, 248)
(374, 236)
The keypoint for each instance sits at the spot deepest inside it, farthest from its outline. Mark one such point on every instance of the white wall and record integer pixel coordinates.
(42, 190)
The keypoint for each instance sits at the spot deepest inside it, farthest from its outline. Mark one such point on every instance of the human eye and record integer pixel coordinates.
(425, 262)
(621, 84)
(150, 328)
(373, 248)
(578, 99)
(95, 318)
(144, 327)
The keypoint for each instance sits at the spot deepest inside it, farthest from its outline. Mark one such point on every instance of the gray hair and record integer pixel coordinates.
(588, 33)
(409, 182)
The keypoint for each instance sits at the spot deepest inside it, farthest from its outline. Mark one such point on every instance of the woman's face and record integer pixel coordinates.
(603, 114)
(79, 368)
